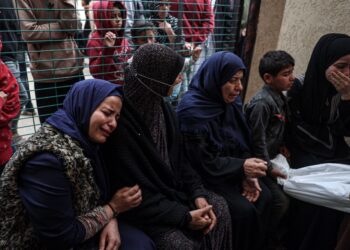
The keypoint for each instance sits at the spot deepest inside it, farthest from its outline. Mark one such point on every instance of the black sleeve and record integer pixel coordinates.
(129, 164)
(158, 211)
(192, 181)
(214, 168)
(258, 115)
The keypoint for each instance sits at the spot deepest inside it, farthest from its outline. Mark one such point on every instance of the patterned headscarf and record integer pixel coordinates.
(147, 80)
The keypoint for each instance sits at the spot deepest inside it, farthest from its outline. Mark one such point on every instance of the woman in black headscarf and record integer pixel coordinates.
(320, 106)
(176, 211)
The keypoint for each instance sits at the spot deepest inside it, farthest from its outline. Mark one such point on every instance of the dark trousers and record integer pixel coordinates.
(312, 227)
(279, 206)
(50, 96)
(131, 239)
(24, 78)
(249, 220)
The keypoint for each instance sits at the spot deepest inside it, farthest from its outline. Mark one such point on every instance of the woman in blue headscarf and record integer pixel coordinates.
(54, 190)
(217, 142)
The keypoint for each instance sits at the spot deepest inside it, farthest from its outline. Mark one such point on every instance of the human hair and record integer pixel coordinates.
(275, 61)
(139, 27)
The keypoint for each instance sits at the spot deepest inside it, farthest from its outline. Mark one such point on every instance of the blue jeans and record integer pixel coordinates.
(23, 97)
(21, 58)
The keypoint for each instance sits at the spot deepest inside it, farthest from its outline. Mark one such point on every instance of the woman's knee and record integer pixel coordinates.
(134, 239)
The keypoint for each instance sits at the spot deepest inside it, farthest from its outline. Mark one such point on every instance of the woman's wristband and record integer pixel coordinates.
(115, 212)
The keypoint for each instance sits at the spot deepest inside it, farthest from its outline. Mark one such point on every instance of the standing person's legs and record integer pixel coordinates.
(21, 58)
(50, 96)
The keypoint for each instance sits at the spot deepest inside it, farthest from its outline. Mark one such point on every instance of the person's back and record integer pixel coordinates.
(9, 108)
(12, 55)
(48, 28)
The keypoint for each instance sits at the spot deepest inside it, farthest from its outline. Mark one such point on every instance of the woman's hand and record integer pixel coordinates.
(109, 39)
(199, 218)
(126, 198)
(251, 189)
(202, 203)
(110, 237)
(341, 83)
(254, 167)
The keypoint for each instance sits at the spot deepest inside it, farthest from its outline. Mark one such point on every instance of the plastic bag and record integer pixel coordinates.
(325, 184)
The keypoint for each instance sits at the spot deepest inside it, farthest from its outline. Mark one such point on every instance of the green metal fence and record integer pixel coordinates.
(50, 44)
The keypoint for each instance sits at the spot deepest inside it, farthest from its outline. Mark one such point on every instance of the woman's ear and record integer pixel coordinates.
(267, 78)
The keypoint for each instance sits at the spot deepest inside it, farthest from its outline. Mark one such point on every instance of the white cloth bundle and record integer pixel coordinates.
(325, 184)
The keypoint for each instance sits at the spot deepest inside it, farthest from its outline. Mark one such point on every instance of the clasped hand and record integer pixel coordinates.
(203, 218)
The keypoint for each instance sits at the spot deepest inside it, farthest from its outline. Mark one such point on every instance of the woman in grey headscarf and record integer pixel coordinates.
(176, 211)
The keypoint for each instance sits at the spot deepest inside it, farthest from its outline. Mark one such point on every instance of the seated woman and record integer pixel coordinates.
(217, 142)
(54, 190)
(175, 210)
(320, 107)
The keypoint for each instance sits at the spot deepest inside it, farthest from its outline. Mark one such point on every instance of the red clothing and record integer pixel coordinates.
(198, 19)
(9, 109)
(108, 63)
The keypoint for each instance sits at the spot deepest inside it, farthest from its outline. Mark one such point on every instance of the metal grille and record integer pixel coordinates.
(51, 44)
